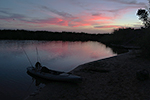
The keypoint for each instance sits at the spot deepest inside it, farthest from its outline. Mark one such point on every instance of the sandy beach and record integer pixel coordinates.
(112, 78)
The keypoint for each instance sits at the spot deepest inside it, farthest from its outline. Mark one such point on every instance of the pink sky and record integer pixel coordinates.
(92, 16)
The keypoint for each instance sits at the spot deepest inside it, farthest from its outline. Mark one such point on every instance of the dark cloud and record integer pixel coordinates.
(96, 14)
(66, 19)
(62, 14)
(8, 15)
(81, 4)
(49, 21)
(129, 2)
(107, 26)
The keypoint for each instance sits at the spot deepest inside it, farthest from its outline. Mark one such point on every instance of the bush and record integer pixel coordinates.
(144, 43)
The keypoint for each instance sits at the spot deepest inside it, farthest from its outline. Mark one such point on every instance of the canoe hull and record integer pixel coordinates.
(49, 76)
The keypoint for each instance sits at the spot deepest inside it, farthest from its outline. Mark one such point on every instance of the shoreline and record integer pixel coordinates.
(112, 78)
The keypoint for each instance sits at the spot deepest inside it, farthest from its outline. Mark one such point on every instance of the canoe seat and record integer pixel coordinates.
(46, 70)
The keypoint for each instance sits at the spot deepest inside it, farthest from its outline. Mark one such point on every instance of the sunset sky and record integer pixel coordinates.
(92, 16)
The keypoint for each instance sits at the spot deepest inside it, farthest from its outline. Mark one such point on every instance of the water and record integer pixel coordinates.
(16, 84)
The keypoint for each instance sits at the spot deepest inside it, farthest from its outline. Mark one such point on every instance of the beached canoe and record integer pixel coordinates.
(54, 75)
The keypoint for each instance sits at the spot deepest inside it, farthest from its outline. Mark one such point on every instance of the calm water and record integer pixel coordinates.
(16, 84)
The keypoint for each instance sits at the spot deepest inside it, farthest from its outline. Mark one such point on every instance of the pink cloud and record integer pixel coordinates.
(73, 22)
(49, 21)
(67, 19)
(63, 18)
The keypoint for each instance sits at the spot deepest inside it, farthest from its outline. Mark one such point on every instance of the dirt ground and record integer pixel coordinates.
(112, 78)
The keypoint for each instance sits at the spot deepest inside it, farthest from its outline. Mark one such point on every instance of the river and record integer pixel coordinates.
(15, 57)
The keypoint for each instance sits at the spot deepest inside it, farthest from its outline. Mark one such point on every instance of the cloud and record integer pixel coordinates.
(62, 18)
(7, 16)
(96, 14)
(62, 14)
(86, 20)
(108, 26)
(118, 13)
(59, 22)
(128, 2)
(49, 21)
(138, 25)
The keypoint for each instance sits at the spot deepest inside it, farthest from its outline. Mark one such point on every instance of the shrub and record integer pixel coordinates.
(144, 43)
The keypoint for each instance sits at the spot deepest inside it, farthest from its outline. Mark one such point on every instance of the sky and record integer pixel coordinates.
(90, 16)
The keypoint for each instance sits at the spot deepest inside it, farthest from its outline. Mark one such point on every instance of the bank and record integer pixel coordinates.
(112, 78)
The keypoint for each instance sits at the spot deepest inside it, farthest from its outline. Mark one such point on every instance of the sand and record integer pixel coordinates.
(112, 78)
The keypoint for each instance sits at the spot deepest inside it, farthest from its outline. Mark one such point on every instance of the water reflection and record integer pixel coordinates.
(56, 55)
(71, 54)
(38, 81)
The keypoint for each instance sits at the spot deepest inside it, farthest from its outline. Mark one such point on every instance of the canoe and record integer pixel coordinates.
(54, 75)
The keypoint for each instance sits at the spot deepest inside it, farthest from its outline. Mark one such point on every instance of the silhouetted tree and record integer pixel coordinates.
(143, 15)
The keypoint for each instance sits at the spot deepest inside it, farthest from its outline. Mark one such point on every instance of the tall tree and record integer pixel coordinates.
(143, 15)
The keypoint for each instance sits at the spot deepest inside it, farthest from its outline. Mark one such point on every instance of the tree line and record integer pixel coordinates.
(118, 36)
(47, 35)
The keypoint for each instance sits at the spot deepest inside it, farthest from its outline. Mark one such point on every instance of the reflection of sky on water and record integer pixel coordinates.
(57, 55)
(65, 56)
